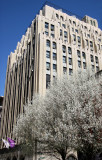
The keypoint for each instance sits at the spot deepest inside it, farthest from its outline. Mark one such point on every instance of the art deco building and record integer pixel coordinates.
(56, 42)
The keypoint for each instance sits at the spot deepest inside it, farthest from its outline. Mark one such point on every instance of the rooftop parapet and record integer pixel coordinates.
(91, 21)
(86, 19)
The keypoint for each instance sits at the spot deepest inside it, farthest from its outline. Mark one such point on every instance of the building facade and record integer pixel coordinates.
(54, 44)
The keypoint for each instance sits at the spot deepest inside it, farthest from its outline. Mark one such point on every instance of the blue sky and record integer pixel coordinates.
(16, 16)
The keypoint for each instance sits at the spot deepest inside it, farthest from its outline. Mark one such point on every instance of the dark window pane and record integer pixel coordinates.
(60, 32)
(54, 67)
(47, 80)
(54, 56)
(47, 43)
(70, 61)
(78, 53)
(52, 27)
(84, 55)
(84, 65)
(79, 64)
(64, 59)
(96, 59)
(64, 69)
(46, 25)
(70, 71)
(65, 34)
(64, 49)
(54, 45)
(92, 58)
(74, 37)
(47, 54)
(47, 65)
(97, 69)
(69, 50)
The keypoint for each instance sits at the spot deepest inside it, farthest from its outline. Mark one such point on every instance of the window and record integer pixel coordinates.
(85, 27)
(78, 53)
(93, 67)
(47, 54)
(76, 30)
(54, 45)
(46, 25)
(59, 23)
(86, 42)
(92, 58)
(57, 15)
(54, 77)
(61, 18)
(47, 33)
(94, 23)
(47, 66)
(84, 65)
(97, 68)
(70, 71)
(60, 32)
(63, 25)
(99, 40)
(64, 69)
(64, 59)
(47, 43)
(96, 59)
(79, 64)
(54, 56)
(74, 37)
(69, 50)
(96, 32)
(79, 39)
(84, 55)
(52, 35)
(47, 80)
(72, 29)
(91, 22)
(69, 21)
(64, 49)
(52, 27)
(54, 67)
(70, 61)
(88, 35)
(74, 23)
(65, 34)
(91, 44)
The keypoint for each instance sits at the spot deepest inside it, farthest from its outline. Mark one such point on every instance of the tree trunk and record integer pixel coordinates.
(63, 155)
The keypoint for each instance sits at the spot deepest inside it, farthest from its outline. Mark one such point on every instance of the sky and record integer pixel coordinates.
(16, 16)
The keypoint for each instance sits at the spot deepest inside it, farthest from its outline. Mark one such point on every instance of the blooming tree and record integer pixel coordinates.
(88, 115)
(67, 118)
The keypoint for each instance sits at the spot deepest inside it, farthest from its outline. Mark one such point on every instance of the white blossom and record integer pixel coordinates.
(69, 116)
